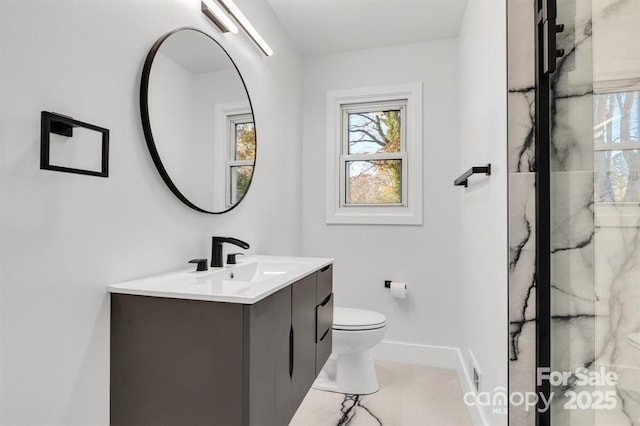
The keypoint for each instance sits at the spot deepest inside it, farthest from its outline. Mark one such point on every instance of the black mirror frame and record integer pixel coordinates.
(146, 123)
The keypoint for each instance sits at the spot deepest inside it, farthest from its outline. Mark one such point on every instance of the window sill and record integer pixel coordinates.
(374, 216)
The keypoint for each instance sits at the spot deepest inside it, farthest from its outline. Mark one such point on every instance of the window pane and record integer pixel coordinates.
(245, 141)
(374, 182)
(240, 178)
(374, 132)
(616, 135)
(617, 117)
(617, 176)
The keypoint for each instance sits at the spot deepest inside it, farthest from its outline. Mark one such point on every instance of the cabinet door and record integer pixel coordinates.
(303, 303)
(267, 346)
(175, 362)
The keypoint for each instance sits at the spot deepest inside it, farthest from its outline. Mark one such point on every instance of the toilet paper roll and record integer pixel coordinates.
(398, 290)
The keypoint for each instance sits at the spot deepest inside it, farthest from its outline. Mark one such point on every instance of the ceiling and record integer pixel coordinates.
(327, 26)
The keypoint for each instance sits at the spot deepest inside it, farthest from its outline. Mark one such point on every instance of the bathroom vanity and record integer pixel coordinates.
(239, 345)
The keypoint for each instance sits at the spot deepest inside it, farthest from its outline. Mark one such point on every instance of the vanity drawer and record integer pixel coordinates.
(324, 286)
(324, 317)
(324, 336)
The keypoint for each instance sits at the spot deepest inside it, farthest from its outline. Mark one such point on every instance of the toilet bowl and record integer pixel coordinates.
(350, 368)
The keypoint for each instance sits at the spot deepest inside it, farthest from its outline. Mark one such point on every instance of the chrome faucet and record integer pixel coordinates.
(216, 248)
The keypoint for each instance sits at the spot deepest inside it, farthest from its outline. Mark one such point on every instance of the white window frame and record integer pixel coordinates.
(345, 157)
(339, 102)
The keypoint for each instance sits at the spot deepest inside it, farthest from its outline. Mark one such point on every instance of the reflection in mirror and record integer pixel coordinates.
(617, 148)
(200, 122)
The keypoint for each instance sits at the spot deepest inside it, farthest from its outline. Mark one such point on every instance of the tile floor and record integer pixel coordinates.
(409, 395)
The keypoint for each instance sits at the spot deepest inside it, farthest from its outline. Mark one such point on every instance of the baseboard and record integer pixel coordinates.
(412, 353)
(432, 356)
(464, 375)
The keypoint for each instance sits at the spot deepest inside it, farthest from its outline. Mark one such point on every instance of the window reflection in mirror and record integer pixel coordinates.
(242, 152)
(617, 146)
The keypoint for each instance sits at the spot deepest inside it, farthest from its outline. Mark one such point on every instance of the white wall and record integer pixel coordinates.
(483, 256)
(423, 256)
(64, 237)
(172, 90)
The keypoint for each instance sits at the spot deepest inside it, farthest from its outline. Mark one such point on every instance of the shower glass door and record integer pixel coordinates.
(594, 184)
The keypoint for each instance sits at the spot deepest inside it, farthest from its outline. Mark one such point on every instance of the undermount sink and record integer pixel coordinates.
(257, 272)
(250, 280)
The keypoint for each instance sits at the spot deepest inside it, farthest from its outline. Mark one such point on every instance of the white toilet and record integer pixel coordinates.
(350, 367)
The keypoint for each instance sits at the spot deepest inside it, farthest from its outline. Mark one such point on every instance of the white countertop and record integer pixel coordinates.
(252, 279)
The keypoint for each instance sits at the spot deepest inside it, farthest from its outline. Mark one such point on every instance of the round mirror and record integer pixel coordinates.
(198, 120)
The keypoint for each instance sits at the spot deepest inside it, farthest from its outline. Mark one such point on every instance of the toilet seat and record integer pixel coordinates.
(634, 339)
(350, 319)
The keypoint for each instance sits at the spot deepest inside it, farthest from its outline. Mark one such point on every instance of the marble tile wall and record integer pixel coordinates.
(521, 157)
(595, 265)
(617, 248)
(616, 31)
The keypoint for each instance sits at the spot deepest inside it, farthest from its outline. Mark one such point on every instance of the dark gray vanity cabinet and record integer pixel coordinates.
(191, 362)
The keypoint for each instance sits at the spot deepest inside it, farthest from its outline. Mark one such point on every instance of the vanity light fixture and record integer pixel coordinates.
(246, 25)
(218, 17)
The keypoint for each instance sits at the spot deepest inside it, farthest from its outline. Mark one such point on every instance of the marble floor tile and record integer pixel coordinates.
(409, 395)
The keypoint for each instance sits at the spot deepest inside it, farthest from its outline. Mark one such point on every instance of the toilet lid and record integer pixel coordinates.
(357, 319)
(634, 339)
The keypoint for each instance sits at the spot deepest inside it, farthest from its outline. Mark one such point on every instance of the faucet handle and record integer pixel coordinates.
(202, 264)
(231, 258)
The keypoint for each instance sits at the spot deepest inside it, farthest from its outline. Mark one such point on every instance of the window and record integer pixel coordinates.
(374, 155)
(242, 154)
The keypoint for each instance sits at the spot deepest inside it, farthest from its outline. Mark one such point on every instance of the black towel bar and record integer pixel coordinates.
(462, 180)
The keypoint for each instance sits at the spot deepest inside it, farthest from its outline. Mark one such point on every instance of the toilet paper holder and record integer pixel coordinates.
(396, 289)
(387, 283)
